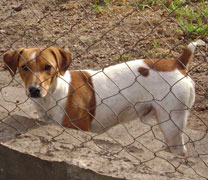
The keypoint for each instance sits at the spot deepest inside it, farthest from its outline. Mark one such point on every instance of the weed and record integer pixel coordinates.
(148, 53)
(141, 5)
(97, 8)
(98, 5)
(123, 57)
(155, 44)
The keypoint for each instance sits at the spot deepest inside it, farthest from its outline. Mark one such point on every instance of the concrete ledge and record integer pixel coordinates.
(21, 156)
(35, 151)
(15, 165)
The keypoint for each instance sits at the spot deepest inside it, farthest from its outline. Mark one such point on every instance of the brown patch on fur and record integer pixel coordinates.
(143, 71)
(11, 59)
(62, 57)
(80, 106)
(165, 65)
(36, 74)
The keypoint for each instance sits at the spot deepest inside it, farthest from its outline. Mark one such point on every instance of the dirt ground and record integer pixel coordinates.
(97, 39)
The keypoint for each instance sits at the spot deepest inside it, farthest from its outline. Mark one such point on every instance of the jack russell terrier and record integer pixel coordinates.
(96, 100)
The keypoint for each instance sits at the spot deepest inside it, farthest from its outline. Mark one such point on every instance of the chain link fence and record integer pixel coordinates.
(101, 34)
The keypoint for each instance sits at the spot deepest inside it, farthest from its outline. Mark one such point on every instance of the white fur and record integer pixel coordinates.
(193, 45)
(122, 94)
(51, 108)
(33, 56)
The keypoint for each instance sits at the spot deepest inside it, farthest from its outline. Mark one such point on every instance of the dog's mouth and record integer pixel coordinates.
(34, 95)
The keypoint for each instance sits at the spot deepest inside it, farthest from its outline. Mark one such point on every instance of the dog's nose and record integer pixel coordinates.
(34, 91)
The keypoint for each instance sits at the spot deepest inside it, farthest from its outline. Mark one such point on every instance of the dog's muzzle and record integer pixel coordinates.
(34, 91)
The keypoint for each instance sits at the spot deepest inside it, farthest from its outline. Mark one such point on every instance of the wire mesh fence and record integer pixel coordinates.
(101, 34)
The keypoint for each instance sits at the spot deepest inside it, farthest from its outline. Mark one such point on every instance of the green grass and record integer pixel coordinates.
(99, 4)
(192, 19)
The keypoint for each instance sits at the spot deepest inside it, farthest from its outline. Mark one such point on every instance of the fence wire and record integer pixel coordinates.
(101, 34)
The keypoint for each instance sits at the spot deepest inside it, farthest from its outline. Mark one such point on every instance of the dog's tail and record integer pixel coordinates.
(186, 57)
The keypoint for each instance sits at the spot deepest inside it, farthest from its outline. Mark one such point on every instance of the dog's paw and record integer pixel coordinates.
(179, 151)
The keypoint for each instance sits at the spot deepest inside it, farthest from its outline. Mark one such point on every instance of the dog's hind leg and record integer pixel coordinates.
(172, 125)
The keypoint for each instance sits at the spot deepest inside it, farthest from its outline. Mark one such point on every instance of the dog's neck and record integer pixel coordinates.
(60, 86)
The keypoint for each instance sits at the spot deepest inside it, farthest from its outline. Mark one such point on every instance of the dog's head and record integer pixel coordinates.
(38, 67)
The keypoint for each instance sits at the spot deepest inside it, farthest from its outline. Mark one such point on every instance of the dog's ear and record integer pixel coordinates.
(63, 59)
(11, 59)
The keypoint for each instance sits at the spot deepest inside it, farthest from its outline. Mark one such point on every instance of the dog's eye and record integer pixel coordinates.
(24, 67)
(47, 67)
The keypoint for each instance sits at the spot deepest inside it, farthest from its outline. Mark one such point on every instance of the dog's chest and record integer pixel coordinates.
(51, 110)
(52, 107)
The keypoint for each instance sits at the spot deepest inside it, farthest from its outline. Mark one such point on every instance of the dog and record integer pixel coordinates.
(96, 100)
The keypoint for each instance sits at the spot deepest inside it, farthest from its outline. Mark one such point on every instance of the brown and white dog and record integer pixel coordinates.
(96, 100)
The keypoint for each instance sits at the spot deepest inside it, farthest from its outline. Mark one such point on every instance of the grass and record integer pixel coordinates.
(193, 20)
(192, 17)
